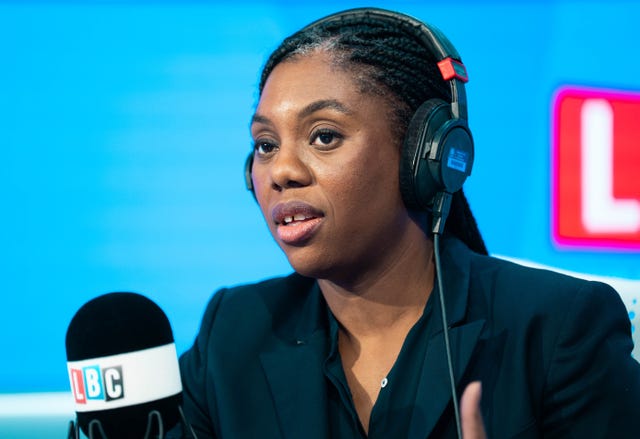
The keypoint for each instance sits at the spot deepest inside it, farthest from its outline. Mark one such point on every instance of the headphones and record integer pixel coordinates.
(437, 153)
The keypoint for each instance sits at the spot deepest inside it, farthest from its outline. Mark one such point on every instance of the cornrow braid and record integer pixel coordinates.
(390, 59)
(397, 59)
(462, 224)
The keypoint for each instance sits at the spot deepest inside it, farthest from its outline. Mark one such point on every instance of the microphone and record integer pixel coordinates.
(123, 369)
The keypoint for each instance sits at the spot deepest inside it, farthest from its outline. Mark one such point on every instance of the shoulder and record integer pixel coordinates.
(266, 293)
(250, 307)
(518, 296)
(535, 288)
(543, 304)
(498, 279)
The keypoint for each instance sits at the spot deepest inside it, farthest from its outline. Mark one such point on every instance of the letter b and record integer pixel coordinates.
(93, 382)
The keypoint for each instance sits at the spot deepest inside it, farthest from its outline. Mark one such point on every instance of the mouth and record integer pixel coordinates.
(292, 212)
(296, 222)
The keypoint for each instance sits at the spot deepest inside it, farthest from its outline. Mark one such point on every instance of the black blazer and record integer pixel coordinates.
(553, 353)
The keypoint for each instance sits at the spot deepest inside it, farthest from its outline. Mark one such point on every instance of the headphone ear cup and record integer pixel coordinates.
(451, 156)
(248, 165)
(248, 180)
(417, 184)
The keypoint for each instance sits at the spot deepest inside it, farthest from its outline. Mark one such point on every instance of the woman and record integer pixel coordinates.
(352, 344)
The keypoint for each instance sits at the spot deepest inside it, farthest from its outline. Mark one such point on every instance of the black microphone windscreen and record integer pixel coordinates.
(123, 365)
(116, 323)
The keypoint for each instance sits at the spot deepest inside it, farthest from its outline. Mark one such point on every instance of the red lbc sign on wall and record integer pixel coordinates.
(596, 168)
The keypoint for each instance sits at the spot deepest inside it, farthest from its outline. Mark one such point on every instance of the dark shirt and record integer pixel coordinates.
(392, 411)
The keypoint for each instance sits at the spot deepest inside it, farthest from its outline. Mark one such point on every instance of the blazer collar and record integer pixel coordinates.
(456, 266)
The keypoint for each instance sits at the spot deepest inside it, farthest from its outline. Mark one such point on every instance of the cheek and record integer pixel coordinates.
(368, 180)
(260, 189)
(258, 178)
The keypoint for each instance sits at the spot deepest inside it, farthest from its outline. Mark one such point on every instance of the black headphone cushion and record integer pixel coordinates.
(418, 137)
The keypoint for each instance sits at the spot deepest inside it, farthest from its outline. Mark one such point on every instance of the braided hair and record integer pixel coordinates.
(388, 59)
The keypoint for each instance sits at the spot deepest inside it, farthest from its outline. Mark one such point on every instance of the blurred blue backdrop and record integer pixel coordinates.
(124, 127)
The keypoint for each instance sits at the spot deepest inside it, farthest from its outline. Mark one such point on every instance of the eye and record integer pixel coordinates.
(326, 138)
(264, 147)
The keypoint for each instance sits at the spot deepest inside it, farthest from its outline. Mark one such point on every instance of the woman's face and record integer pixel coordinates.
(326, 170)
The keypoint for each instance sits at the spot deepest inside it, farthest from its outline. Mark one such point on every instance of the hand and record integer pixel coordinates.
(471, 418)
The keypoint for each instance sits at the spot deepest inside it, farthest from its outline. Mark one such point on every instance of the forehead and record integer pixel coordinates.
(309, 77)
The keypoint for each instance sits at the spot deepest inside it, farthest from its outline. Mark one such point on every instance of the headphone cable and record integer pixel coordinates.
(441, 205)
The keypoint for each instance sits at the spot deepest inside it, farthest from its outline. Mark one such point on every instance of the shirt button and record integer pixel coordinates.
(384, 382)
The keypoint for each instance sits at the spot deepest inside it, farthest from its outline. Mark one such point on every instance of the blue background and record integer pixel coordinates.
(124, 128)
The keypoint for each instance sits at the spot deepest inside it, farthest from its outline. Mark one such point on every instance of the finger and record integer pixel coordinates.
(472, 425)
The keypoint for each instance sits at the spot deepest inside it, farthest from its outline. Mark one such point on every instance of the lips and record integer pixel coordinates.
(296, 222)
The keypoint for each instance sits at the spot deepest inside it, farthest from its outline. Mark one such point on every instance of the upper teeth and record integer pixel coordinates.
(297, 217)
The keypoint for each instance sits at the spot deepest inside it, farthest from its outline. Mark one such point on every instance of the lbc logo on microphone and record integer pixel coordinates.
(93, 383)
(596, 168)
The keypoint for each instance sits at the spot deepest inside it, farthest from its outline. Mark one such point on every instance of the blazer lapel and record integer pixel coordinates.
(434, 387)
(297, 386)
(293, 366)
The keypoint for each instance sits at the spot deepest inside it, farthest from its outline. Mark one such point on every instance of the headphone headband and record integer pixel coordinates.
(448, 58)
(430, 35)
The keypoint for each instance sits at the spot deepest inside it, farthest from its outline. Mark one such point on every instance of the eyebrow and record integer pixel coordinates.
(322, 104)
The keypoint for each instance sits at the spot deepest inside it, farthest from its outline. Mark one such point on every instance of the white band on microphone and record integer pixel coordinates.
(124, 380)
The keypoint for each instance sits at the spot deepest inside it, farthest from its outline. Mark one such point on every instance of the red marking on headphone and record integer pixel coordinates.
(451, 68)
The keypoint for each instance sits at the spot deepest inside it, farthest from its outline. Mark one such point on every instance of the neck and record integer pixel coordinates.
(395, 293)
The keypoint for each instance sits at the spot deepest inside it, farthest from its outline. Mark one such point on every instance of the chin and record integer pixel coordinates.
(309, 269)
(308, 264)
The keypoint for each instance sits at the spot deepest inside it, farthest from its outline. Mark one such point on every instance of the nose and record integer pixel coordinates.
(289, 169)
